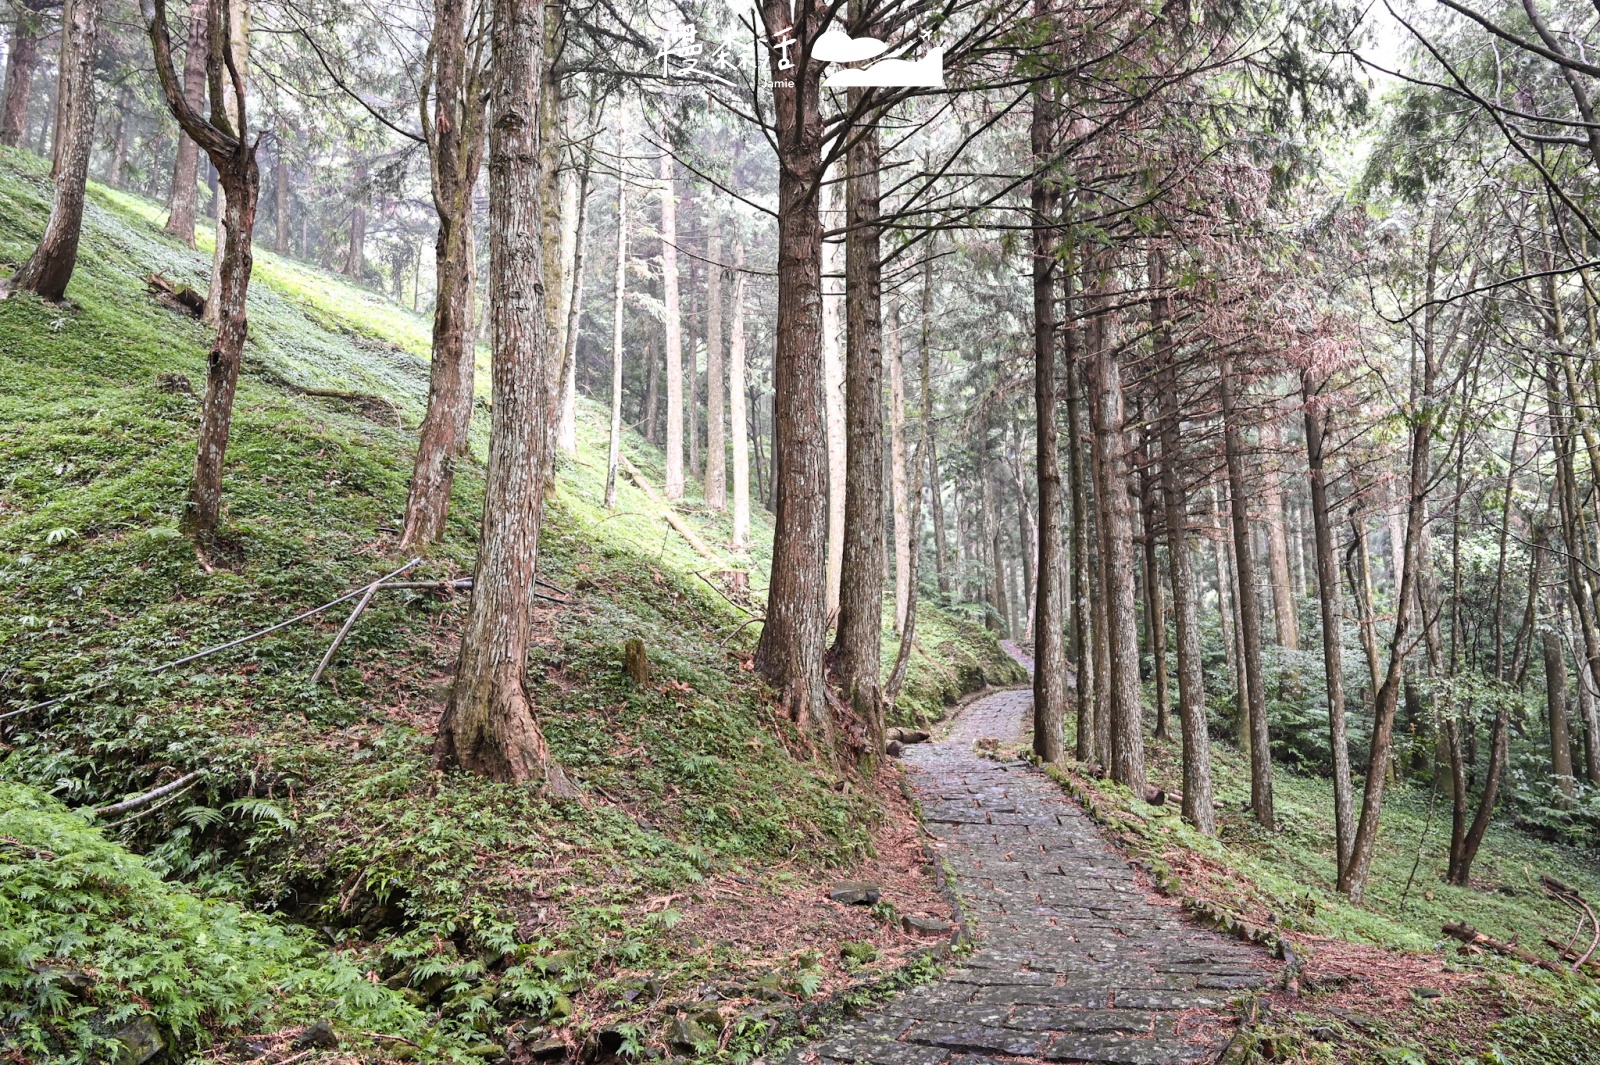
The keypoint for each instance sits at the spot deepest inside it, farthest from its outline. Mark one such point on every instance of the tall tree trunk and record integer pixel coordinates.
(691, 395)
(1328, 600)
(674, 330)
(1227, 615)
(27, 30)
(651, 409)
(488, 725)
(567, 433)
(1155, 608)
(1121, 634)
(119, 148)
(1083, 658)
(614, 449)
(1027, 535)
(355, 263)
(1555, 679)
(716, 493)
(456, 137)
(47, 271)
(899, 474)
(833, 361)
(1282, 584)
(738, 431)
(1197, 803)
(1050, 678)
(1249, 611)
(280, 191)
(857, 646)
(999, 614)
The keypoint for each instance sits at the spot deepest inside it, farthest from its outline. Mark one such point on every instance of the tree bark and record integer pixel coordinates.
(998, 616)
(1155, 608)
(674, 330)
(1083, 638)
(899, 474)
(1249, 611)
(455, 142)
(280, 191)
(488, 725)
(738, 430)
(1328, 600)
(716, 493)
(119, 148)
(1464, 845)
(857, 647)
(27, 31)
(1555, 679)
(835, 215)
(1282, 584)
(567, 432)
(355, 263)
(614, 449)
(47, 271)
(1197, 804)
(1050, 679)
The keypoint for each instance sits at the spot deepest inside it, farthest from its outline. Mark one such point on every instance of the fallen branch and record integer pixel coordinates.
(344, 630)
(746, 623)
(1570, 898)
(150, 796)
(184, 297)
(666, 510)
(1474, 938)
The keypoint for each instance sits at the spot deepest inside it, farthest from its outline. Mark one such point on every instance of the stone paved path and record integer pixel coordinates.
(1073, 962)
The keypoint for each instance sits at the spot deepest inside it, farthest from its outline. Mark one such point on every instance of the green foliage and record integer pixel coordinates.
(91, 939)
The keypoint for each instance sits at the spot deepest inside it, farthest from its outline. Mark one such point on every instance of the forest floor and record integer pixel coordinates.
(321, 869)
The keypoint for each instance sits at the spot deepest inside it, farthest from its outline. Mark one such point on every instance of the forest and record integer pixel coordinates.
(915, 532)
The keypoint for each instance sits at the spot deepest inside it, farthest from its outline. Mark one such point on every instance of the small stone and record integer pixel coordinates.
(893, 748)
(856, 893)
(141, 1040)
(545, 1049)
(685, 1036)
(319, 1035)
(925, 926)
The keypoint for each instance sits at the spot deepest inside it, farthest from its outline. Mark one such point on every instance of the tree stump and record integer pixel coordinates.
(635, 663)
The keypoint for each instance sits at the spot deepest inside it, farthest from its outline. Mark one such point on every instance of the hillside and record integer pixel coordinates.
(320, 863)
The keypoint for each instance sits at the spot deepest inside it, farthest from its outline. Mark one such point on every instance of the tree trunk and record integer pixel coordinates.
(119, 148)
(1555, 679)
(1121, 634)
(1050, 679)
(1155, 616)
(1464, 846)
(22, 59)
(355, 263)
(614, 450)
(1283, 606)
(899, 474)
(674, 328)
(1197, 804)
(1328, 601)
(567, 432)
(716, 493)
(1027, 536)
(47, 271)
(999, 614)
(691, 395)
(738, 431)
(456, 154)
(1249, 611)
(280, 191)
(1083, 637)
(857, 646)
(488, 725)
(833, 360)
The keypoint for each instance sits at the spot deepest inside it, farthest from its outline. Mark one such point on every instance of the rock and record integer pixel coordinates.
(545, 1049)
(635, 662)
(487, 1051)
(141, 1040)
(707, 1017)
(75, 981)
(247, 1049)
(685, 1036)
(925, 926)
(319, 1035)
(856, 893)
(908, 735)
(893, 748)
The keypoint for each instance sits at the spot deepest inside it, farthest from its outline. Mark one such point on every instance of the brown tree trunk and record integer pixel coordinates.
(1121, 634)
(1555, 679)
(1155, 615)
(857, 645)
(738, 430)
(355, 262)
(47, 271)
(674, 328)
(1083, 638)
(567, 431)
(834, 216)
(1197, 804)
(456, 155)
(716, 493)
(998, 615)
(1328, 601)
(488, 725)
(1464, 845)
(280, 211)
(899, 474)
(27, 31)
(614, 447)
(1050, 679)
(651, 414)
(1282, 584)
(1249, 611)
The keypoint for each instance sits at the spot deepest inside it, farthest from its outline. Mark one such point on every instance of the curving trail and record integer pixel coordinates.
(1074, 961)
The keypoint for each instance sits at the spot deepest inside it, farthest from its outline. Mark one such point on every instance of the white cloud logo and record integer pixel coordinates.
(836, 46)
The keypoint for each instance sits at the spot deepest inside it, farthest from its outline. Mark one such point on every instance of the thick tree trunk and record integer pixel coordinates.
(716, 493)
(835, 215)
(1122, 630)
(738, 430)
(47, 271)
(614, 448)
(27, 31)
(857, 646)
(1249, 611)
(488, 725)
(1555, 679)
(1197, 804)
(456, 154)
(1328, 601)
(674, 328)
(1050, 678)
